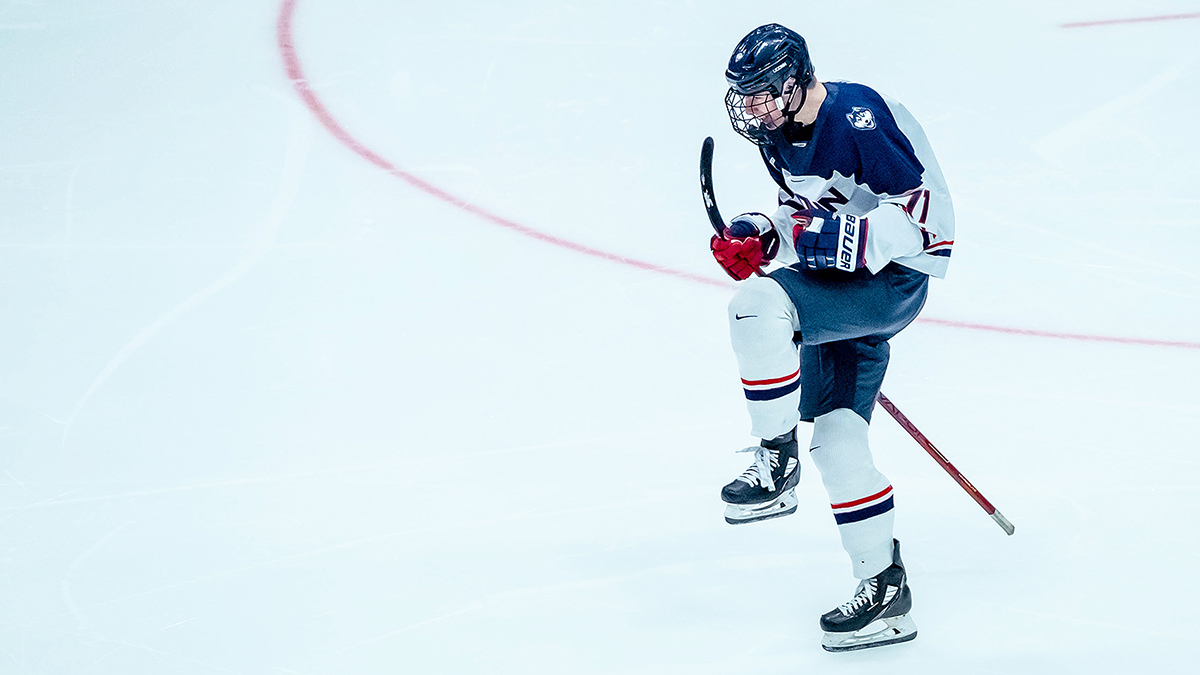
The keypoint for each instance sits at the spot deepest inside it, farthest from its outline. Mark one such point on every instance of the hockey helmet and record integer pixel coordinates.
(766, 58)
(761, 64)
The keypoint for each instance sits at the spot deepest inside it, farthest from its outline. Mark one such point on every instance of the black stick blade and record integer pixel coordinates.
(706, 186)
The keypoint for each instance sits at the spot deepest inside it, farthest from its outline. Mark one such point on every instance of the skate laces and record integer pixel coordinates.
(760, 470)
(866, 592)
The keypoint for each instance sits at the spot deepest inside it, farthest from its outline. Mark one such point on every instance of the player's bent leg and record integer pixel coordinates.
(861, 496)
(762, 322)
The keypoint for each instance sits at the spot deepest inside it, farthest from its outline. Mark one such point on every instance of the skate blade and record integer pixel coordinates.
(880, 633)
(783, 505)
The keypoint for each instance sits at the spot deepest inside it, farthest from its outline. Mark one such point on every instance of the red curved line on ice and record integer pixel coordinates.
(1141, 19)
(295, 73)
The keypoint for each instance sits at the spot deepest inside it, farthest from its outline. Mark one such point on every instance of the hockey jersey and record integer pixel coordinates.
(867, 156)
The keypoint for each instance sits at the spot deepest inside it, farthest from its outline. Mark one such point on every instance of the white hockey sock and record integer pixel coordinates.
(762, 321)
(861, 497)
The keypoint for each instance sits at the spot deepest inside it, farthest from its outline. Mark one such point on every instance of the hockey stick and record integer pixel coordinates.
(945, 464)
(706, 190)
(714, 217)
(706, 186)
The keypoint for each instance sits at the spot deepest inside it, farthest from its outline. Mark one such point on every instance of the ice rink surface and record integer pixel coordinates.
(374, 337)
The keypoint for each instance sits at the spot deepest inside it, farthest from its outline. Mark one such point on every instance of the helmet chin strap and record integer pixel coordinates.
(790, 115)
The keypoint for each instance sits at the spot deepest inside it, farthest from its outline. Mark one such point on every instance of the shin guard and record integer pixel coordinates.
(860, 496)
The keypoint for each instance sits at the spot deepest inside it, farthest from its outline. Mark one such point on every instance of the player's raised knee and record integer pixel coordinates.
(758, 297)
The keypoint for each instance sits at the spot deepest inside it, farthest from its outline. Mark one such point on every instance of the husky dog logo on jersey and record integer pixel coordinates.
(861, 118)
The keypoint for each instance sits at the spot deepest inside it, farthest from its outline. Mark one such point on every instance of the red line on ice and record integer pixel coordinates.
(287, 50)
(295, 72)
(1062, 336)
(1143, 19)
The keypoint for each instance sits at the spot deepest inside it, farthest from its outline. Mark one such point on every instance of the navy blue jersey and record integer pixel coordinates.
(867, 156)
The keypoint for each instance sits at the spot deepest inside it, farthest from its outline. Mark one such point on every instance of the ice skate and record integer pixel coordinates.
(767, 488)
(877, 615)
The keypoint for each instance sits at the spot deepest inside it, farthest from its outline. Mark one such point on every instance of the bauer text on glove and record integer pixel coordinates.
(824, 240)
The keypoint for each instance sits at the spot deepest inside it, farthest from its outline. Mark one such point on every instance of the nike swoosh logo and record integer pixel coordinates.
(739, 317)
(813, 448)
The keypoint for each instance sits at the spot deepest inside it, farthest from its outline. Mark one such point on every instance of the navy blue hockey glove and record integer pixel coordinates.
(824, 240)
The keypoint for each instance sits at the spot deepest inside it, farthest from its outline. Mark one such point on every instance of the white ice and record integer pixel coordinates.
(266, 407)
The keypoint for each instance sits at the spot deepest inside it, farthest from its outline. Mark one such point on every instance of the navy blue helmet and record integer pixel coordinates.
(766, 58)
(761, 63)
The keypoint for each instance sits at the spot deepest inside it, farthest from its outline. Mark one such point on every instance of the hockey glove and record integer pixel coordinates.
(747, 244)
(824, 240)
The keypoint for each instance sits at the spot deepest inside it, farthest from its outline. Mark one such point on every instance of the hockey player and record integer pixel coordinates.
(864, 219)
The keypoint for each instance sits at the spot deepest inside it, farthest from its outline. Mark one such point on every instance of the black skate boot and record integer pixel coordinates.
(767, 488)
(877, 615)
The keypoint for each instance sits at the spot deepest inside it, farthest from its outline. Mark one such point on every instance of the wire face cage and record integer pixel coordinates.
(750, 126)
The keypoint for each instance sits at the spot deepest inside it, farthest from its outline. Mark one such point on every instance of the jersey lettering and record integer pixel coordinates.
(832, 200)
(799, 203)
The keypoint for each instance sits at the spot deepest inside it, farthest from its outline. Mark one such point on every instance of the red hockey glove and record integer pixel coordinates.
(741, 257)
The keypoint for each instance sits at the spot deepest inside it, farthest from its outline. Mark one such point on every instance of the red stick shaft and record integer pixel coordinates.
(945, 463)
